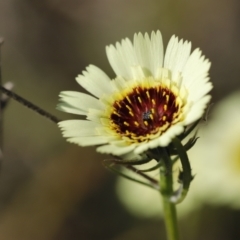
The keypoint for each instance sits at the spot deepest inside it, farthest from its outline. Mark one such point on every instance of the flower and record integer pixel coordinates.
(150, 101)
(217, 155)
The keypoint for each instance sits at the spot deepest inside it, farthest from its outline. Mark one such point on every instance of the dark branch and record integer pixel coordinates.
(1, 112)
(29, 105)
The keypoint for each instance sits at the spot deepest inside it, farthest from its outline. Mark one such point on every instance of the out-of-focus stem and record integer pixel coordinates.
(169, 208)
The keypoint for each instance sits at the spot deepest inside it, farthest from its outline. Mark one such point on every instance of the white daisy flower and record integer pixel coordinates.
(217, 155)
(151, 100)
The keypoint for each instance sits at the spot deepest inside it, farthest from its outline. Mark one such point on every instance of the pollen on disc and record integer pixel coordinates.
(144, 111)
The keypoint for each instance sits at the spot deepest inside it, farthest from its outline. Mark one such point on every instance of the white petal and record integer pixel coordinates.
(80, 133)
(78, 128)
(121, 58)
(80, 100)
(162, 141)
(147, 145)
(138, 73)
(196, 69)
(75, 124)
(131, 156)
(172, 46)
(142, 147)
(177, 54)
(197, 110)
(116, 150)
(120, 83)
(144, 52)
(172, 132)
(199, 90)
(65, 107)
(72, 94)
(89, 141)
(157, 52)
(149, 52)
(95, 81)
(96, 115)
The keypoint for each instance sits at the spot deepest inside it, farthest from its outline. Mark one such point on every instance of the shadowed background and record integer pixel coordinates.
(52, 190)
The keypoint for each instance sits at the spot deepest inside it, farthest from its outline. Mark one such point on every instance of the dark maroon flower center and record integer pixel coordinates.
(144, 111)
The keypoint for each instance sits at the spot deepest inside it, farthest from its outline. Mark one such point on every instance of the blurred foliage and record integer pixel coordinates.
(52, 190)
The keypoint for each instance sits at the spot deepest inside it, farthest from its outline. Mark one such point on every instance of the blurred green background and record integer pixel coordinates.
(53, 190)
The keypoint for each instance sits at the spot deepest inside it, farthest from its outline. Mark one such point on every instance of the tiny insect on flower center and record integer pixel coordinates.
(145, 112)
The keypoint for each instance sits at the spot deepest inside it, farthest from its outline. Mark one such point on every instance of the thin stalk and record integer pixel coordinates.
(169, 208)
(29, 105)
(1, 112)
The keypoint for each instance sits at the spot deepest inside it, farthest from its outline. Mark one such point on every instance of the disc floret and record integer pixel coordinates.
(146, 110)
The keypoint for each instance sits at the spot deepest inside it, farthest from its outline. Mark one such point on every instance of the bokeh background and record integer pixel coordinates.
(53, 190)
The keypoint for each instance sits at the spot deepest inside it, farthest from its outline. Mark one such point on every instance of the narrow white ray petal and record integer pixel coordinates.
(197, 91)
(171, 49)
(72, 94)
(76, 124)
(131, 156)
(156, 52)
(89, 141)
(80, 100)
(162, 141)
(93, 118)
(196, 69)
(87, 132)
(197, 110)
(116, 62)
(106, 131)
(95, 81)
(116, 150)
(182, 56)
(70, 109)
(96, 115)
(121, 58)
(172, 132)
(78, 128)
(138, 73)
(153, 143)
(120, 83)
(145, 52)
(177, 55)
(128, 53)
(142, 49)
(100, 78)
(140, 148)
(149, 51)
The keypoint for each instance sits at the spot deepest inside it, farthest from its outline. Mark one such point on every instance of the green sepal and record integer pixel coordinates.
(153, 183)
(120, 161)
(190, 143)
(185, 176)
(189, 129)
(152, 168)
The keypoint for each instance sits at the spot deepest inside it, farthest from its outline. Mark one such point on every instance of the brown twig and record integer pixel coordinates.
(29, 105)
(1, 113)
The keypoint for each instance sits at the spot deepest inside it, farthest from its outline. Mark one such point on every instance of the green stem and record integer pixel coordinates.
(166, 186)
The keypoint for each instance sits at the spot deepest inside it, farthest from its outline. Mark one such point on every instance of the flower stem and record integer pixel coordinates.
(166, 186)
